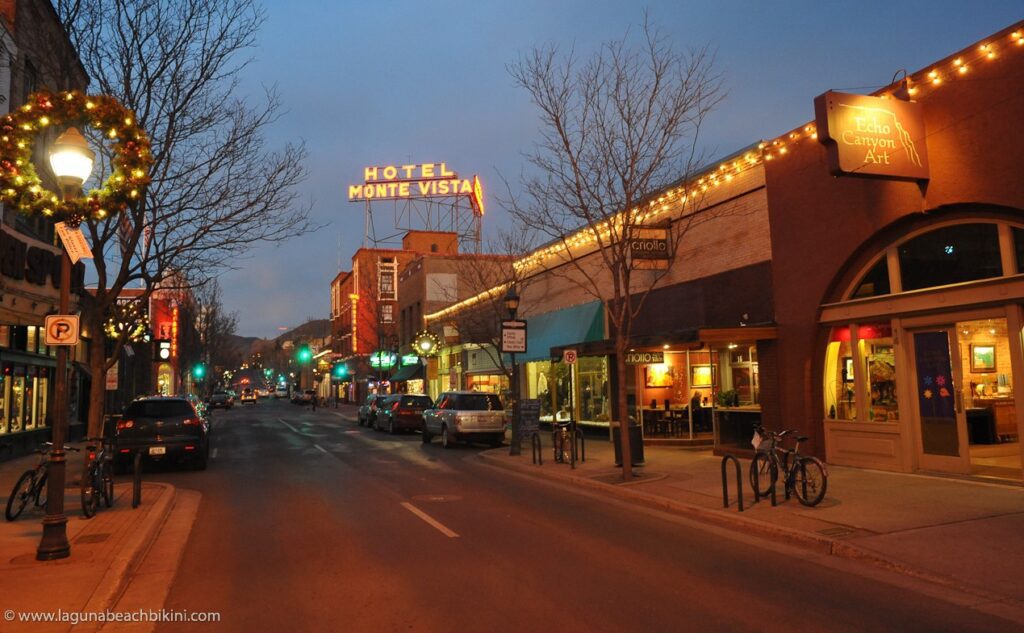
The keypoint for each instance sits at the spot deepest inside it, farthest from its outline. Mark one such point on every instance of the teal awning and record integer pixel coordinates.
(578, 324)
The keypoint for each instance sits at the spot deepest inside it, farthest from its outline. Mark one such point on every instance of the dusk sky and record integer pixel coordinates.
(377, 83)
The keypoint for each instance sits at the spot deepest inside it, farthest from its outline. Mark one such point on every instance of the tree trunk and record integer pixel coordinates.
(98, 386)
(620, 370)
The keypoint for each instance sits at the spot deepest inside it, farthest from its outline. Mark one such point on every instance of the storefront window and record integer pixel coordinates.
(32, 339)
(16, 412)
(881, 366)
(953, 254)
(874, 359)
(489, 383)
(5, 396)
(5, 336)
(592, 387)
(840, 390)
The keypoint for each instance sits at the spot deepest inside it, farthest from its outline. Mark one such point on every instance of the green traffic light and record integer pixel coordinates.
(199, 371)
(305, 354)
(340, 371)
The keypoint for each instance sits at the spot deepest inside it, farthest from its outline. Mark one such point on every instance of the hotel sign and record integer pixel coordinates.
(872, 136)
(407, 182)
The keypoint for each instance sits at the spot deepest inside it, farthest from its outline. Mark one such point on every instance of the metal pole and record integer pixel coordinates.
(515, 448)
(54, 543)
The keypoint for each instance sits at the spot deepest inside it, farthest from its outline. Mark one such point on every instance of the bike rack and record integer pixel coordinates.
(536, 448)
(583, 446)
(739, 482)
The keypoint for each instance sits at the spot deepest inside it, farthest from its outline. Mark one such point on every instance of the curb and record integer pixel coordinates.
(116, 577)
(815, 542)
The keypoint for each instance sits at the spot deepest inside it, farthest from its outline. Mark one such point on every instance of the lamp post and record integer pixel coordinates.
(71, 161)
(512, 305)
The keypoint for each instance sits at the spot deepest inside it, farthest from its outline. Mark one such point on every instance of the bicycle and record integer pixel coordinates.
(97, 478)
(31, 485)
(803, 475)
(562, 441)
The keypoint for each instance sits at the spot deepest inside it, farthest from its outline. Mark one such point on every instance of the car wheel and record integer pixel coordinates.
(425, 435)
(446, 440)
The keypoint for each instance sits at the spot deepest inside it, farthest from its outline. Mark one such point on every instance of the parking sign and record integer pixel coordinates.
(569, 356)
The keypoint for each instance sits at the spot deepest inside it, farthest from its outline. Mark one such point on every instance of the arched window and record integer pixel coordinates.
(875, 283)
(949, 255)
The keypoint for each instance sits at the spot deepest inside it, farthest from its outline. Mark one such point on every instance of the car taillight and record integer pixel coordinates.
(394, 407)
(125, 424)
(92, 456)
(407, 412)
(126, 450)
(192, 421)
(190, 448)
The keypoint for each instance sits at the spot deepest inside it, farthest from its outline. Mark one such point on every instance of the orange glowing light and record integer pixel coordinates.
(426, 180)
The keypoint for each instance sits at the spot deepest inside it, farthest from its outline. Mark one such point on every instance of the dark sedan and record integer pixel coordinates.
(402, 412)
(162, 428)
(221, 399)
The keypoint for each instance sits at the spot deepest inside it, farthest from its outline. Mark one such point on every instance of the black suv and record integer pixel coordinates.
(162, 428)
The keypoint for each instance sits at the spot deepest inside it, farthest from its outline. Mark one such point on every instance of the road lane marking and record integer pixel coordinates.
(437, 525)
(294, 430)
(321, 449)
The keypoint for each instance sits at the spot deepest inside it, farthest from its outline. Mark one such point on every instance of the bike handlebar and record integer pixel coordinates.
(66, 447)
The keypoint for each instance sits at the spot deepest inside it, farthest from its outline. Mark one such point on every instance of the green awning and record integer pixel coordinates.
(408, 372)
(578, 324)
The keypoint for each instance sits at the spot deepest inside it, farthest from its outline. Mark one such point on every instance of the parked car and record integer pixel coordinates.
(281, 392)
(303, 397)
(221, 399)
(401, 412)
(248, 395)
(163, 428)
(465, 416)
(368, 410)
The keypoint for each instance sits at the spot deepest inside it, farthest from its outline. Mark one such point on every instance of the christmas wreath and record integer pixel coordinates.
(20, 184)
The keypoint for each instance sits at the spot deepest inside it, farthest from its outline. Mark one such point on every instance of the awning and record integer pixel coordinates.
(713, 336)
(571, 326)
(409, 372)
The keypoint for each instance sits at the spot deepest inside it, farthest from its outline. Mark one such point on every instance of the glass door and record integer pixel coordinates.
(942, 425)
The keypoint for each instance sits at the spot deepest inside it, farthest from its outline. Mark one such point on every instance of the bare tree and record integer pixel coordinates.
(615, 129)
(489, 276)
(216, 188)
(215, 327)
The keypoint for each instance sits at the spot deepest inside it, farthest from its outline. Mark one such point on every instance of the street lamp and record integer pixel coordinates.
(71, 161)
(512, 305)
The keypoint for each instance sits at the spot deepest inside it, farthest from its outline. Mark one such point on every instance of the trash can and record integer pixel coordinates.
(636, 443)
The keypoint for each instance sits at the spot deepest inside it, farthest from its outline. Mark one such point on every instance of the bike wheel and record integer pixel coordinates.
(809, 480)
(107, 483)
(90, 493)
(39, 490)
(762, 475)
(19, 495)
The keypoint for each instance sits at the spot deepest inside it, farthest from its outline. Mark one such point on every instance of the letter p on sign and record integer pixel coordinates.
(569, 356)
(62, 329)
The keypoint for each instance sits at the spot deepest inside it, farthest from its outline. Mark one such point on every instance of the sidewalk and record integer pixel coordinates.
(104, 550)
(961, 534)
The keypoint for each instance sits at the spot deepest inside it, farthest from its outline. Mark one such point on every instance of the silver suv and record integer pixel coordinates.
(465, 416)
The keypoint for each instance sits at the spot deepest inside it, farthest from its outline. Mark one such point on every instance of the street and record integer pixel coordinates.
(309, 522)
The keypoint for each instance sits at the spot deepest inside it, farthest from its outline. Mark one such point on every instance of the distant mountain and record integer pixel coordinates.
(241, 345)
(248, 345)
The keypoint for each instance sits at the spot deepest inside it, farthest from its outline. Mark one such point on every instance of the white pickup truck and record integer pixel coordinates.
(465, 416)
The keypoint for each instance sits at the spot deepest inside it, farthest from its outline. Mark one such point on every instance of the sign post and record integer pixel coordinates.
(513, 341)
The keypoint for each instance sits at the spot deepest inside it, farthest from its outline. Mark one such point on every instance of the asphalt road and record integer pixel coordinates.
(310, 523)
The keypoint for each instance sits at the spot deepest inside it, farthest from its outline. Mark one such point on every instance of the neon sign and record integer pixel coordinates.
(426, 180)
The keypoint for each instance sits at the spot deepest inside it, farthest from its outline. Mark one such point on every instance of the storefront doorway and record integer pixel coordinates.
(964, 398)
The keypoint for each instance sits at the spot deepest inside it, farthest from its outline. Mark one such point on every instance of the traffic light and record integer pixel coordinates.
(305, 354)
(339, 371)
(199, 371)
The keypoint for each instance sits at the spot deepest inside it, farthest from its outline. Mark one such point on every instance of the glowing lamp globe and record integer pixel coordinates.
(71, 159)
